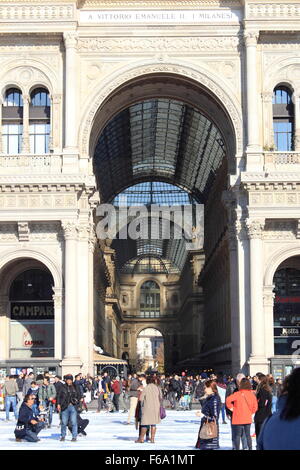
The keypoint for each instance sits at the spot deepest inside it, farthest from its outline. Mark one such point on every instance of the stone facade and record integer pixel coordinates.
(96, 57)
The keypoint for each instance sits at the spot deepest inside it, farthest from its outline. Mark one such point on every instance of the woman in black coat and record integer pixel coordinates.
(210, 411)
(264, 398)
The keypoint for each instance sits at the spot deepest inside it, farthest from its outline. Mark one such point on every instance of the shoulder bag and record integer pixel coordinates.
(209, 430)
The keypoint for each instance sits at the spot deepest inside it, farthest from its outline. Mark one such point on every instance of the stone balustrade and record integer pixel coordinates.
(274, 159)
(30, 163)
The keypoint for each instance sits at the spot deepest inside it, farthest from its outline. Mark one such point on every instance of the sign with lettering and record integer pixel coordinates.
(32, 310)
(160, 16)
(286, 331)
(31, 339)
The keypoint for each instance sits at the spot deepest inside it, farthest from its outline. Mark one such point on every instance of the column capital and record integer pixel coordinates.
(70, 39)
(255, 228)
(69, 230)
(250, 38)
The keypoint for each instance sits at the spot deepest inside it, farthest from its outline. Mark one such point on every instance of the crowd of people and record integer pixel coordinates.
(273, 406)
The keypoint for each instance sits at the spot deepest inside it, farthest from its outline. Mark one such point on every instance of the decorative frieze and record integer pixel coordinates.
(279, 198)
(167, 44)
(280, 229)
(45, 231)
(8, 232)
(37, 201)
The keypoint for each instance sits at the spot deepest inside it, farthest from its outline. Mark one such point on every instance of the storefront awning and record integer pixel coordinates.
(101, 359)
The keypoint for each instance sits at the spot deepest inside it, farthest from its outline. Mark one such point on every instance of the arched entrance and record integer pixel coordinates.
(286, 312)
(150, 350)
(30, 331)
(168, 130)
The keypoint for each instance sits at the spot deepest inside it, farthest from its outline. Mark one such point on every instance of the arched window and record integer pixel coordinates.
(39, 121)
(283, 119)
(150, 300)
(12, 120)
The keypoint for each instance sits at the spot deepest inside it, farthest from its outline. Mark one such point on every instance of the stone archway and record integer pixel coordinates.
(108, 92)
(150, 350)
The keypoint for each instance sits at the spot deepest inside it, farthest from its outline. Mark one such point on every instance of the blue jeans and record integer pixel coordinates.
(31, 436)
(69, 414)
(238, 431)
(11, 401)
(242, 436)
(274, 404)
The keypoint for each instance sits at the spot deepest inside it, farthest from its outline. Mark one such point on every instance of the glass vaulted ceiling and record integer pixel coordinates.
(159, 151)
(158, 139)
(160, 255)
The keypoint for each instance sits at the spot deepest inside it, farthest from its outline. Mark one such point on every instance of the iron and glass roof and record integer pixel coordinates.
(158, 139)
(158, 151)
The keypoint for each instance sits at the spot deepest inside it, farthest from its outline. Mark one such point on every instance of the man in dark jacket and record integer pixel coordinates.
(28, 426)
(175, 391)
(68, 399)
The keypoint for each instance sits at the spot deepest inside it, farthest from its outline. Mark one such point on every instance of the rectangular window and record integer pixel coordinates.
(12, 138)
(283, 135)
(39, 137)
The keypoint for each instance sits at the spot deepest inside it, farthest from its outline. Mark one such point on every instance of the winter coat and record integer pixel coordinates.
(264, 399)
(150, 405)
(68, 395)
(279, 434)
(210, 409)
(175, 386)
(46, 392)
(133, 389)
(244, 404)
(27, 385)
(10, 388)
(20, 383)
(200, 389)
(116, 387)
(25, 416)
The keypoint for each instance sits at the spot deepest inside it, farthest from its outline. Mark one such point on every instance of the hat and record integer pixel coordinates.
(203, 375)
(68, 377)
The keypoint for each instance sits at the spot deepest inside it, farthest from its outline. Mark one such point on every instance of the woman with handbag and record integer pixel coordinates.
(243, 405)
(208, 438)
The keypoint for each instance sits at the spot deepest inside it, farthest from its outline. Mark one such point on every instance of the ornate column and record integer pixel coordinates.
(257, 360)
(268, 302)
(71, 361)
(267, 97)
(56, 122)
(253, 145)
(25, 140)
(83, 280)
(4, 327)
(58, 321)
(71, 91)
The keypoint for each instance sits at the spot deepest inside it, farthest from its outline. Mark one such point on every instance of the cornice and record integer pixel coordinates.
(161, 4)
(38, 179)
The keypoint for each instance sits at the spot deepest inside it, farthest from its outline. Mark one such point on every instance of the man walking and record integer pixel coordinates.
(10, 390)
(68, 399)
